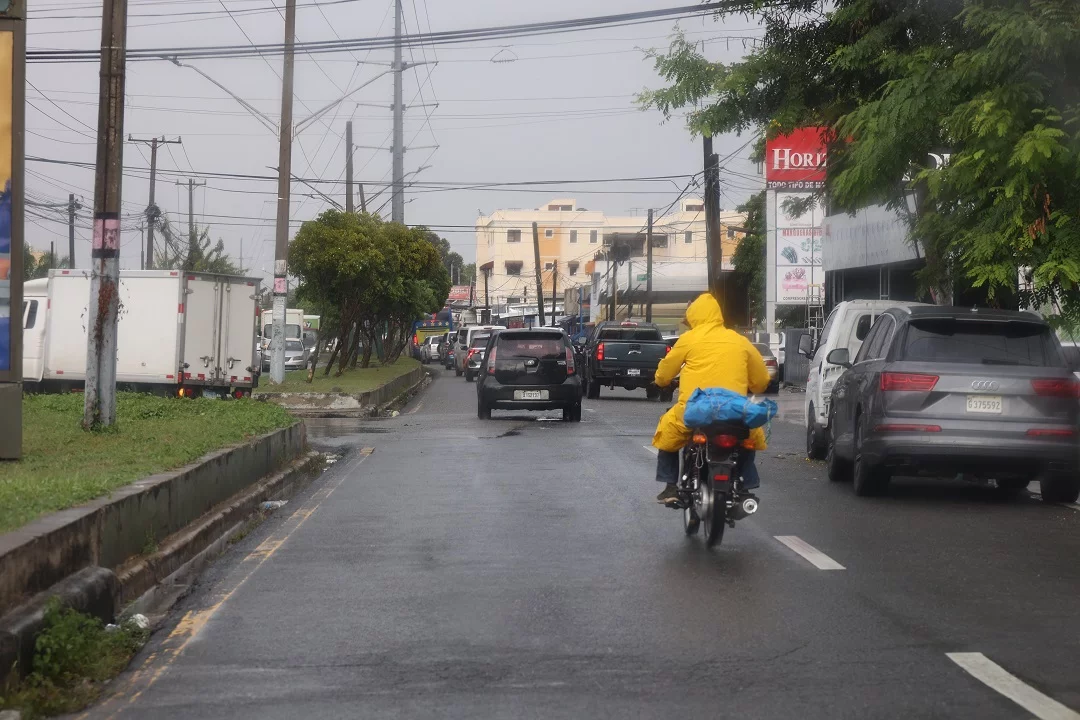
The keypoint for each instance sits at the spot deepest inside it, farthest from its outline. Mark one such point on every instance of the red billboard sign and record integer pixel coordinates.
(460, 293)
(796, 160)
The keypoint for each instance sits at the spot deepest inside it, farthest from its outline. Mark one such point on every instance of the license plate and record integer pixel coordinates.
(633, 371)
(986, 404)
(530, 394)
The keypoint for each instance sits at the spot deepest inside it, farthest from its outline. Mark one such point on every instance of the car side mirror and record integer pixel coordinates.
(839, 356)
(806, 346)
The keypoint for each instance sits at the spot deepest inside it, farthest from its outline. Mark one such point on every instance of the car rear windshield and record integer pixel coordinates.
(630, 334)
(990, 343)
(765, 350)
(531, 346)
(480, 341)
(293, 346)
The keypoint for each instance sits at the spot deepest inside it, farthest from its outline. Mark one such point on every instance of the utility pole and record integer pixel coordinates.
(281, 240)
(612, 284)
(487, 305)
(363, 200)
(142, 247)
(629, 285)
(713, 247)
(554, 288)
(648, 269)
(539, 277)
(99, 397)
(193, 238)
(151, 208)
(72, 206)
(348, 168)
(397, 206)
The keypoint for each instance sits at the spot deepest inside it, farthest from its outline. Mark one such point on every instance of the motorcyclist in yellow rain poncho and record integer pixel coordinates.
(709, 355)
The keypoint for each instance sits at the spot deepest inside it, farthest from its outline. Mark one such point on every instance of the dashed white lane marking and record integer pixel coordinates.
(997, 678)
(651, 449)
(590, 410)
(1074, 506)
(809, 553)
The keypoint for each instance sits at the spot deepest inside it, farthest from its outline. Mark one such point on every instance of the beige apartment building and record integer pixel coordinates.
(574, 240)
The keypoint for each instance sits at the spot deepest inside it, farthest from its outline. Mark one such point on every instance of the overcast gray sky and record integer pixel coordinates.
(554, 107)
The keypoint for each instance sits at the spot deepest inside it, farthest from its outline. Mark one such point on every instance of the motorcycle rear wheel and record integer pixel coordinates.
(691, 523)
(712, 510)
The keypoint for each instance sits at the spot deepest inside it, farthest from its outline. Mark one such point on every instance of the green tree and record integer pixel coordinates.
(992, 82)
(35, 268)
(195, 253)
(749, 256)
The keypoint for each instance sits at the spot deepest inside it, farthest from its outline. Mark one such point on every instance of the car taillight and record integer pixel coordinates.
(570, 368)
(472, 352)
(907, 382)
(1056, 387)
(491, 361)
(600, 351)
(770, 362)
(667, 349)
(1051, 432)
(725, 441)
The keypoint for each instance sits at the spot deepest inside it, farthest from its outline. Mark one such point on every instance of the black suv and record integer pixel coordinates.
(529, 370)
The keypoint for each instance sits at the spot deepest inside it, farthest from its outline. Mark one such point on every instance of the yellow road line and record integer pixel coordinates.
(193, 621)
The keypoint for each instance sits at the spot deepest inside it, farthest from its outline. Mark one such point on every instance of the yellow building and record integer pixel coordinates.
(572, 238)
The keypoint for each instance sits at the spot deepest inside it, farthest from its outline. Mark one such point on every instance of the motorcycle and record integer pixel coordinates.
(710, 486)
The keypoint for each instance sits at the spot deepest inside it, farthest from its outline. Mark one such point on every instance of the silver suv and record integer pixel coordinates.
(945, 390)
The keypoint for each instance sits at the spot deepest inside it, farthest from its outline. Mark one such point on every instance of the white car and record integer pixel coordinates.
(429, 350)
(848, 324)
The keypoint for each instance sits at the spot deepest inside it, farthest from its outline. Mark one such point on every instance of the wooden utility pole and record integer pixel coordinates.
(612, 282)
(539, 276)
(72, 206)
(99, 403)
(151, 207)
(554, 288)
(648, 268)
(363, 200)
(487, 305)
(348, 168)
(193, 237)
(281, 238)
(713, 240)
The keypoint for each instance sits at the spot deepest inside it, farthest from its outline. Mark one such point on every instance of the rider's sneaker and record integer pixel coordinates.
(669, 496)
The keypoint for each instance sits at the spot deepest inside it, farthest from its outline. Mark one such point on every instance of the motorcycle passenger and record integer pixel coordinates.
(709, 355)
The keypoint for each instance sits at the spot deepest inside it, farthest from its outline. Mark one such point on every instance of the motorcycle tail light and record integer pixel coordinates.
(699, 439)
(721, 478)
(725, 441)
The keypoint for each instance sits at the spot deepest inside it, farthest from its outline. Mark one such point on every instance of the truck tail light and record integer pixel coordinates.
(600, 352)
(570, 368)
(907, 382)
(1056, 387)
(491, 361)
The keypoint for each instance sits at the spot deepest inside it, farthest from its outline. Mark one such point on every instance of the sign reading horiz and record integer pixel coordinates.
(796, 161)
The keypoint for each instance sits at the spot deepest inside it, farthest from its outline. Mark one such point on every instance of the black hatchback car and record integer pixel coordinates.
(529, 370)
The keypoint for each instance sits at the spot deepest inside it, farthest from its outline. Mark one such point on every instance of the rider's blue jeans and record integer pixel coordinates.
(667, 468)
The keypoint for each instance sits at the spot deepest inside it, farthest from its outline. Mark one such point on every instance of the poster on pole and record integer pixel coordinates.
(794, 175)
(6, 312)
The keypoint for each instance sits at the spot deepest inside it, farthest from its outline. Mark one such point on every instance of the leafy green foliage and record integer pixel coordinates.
(749, 258)
(34, 268)
(195, 253)
(74, 656)
(993, 83)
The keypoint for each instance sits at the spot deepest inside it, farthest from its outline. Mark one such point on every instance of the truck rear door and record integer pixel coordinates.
(237, 331)
(202, 330)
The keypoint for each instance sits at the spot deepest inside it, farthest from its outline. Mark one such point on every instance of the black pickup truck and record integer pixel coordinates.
(625, 354)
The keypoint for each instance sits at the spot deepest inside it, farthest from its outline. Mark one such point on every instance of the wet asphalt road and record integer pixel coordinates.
(521, 569)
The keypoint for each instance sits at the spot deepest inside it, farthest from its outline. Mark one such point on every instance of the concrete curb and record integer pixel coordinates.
(313, 404)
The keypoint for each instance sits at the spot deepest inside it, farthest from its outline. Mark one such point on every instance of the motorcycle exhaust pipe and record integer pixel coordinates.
(746, 508)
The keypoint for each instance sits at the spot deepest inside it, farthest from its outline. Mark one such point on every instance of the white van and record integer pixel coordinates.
(846, 327)
(464, 342)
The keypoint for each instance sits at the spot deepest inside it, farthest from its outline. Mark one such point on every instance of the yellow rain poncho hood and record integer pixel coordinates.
(709, 355)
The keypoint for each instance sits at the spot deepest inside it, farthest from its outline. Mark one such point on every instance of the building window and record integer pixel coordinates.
(548, 266)
(690, 207)
(573, 267)
(513, 267)
(557, 208)
(731, 233)
(549, 233)
(573, 236)
(592, 237)
(513, 236)
(659, 241)
(688, 237)
(513, 300)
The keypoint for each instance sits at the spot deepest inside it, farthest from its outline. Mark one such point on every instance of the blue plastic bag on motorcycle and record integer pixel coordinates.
(709, 406)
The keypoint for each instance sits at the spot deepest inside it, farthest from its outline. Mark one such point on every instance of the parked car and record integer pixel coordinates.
(625, 354)
(771, 365)
(529, 370)
(945, 390)
(474, 358)
(776, 342)
(296, 356)
(429, 349)
(846, 327)
(464, 340)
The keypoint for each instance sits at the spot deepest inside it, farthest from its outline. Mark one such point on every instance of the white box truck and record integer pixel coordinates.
(177, 333)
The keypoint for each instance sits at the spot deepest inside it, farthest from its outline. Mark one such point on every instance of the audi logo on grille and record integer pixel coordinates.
(984, 385)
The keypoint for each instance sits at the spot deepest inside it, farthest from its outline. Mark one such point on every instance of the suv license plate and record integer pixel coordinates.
(986, 404)
(530, 394)
(633, 371)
